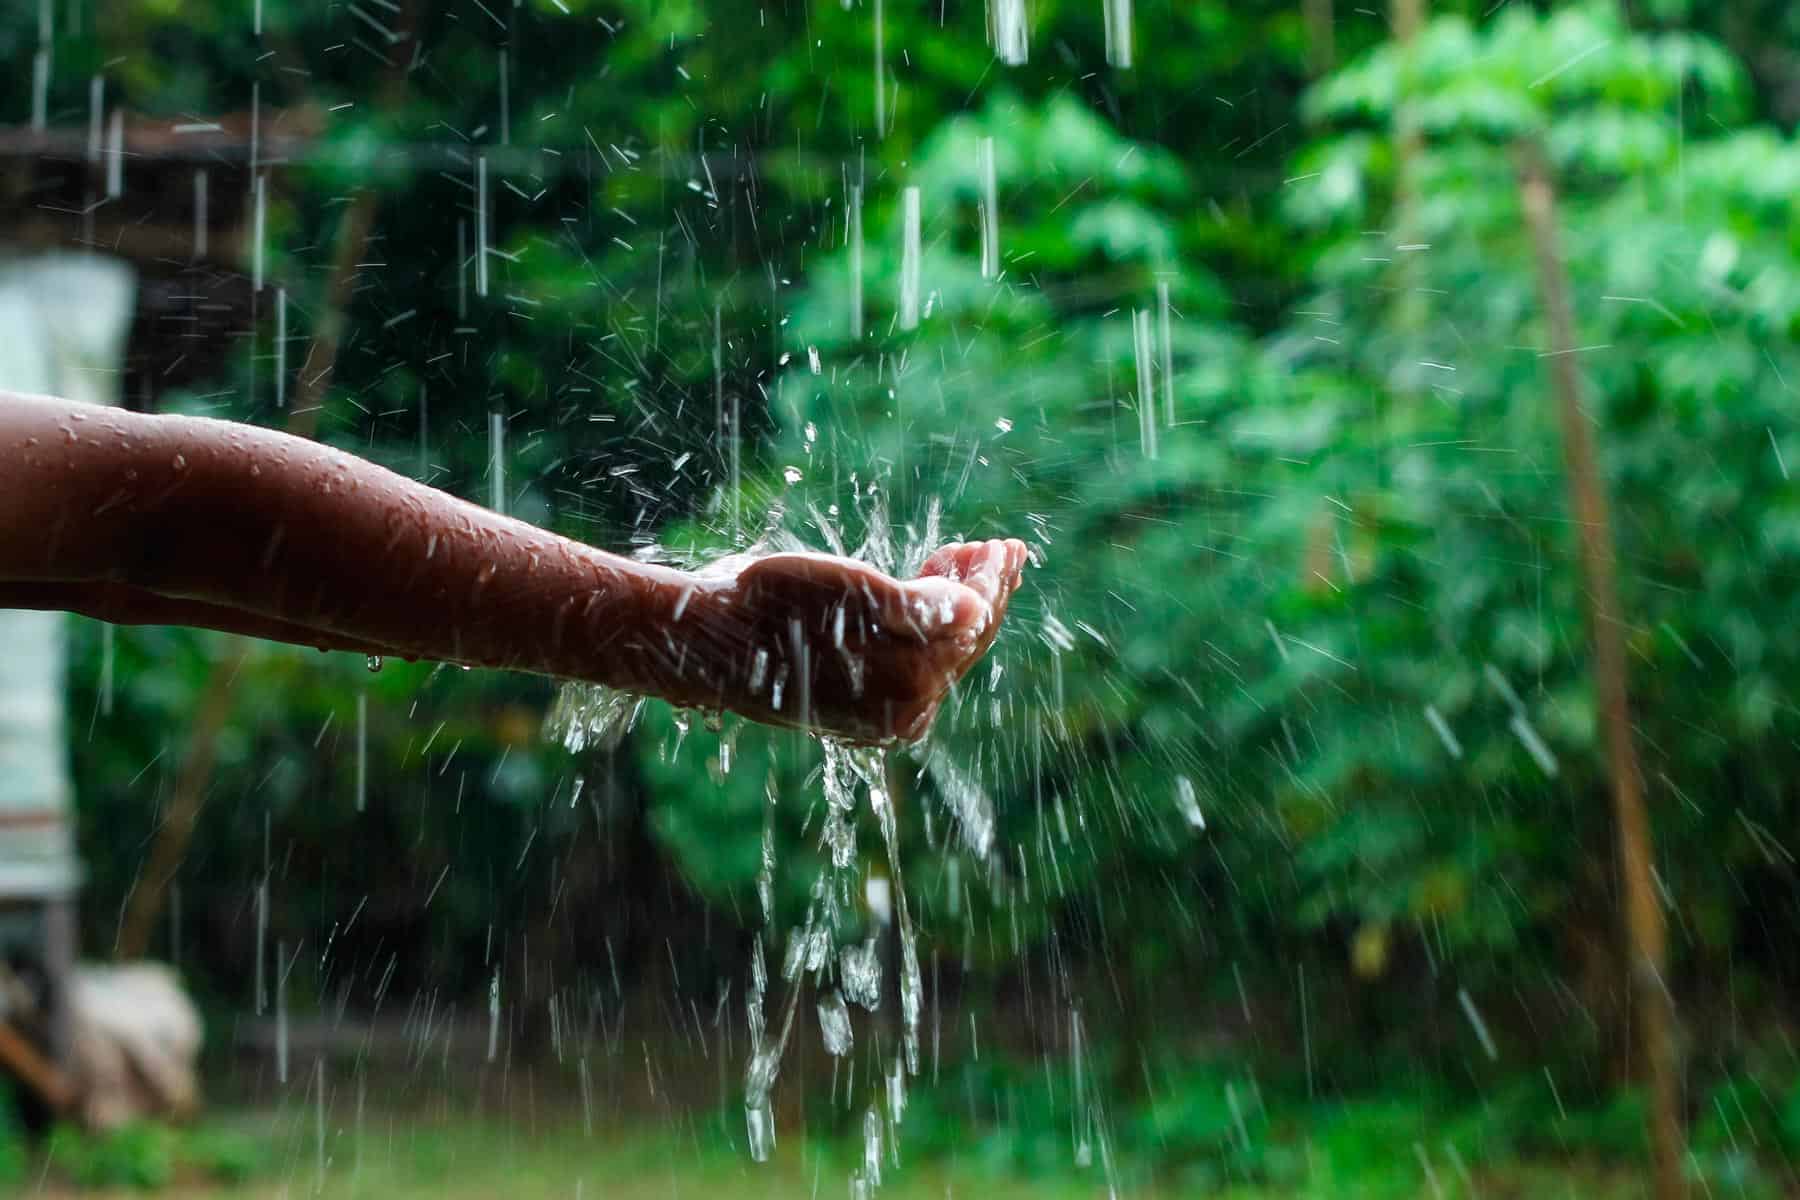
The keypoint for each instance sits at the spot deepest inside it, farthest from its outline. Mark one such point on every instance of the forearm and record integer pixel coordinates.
(312, 545)
(122, 604)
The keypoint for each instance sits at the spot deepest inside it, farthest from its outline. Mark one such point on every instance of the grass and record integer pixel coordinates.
(402, 1157)
(395, 1156)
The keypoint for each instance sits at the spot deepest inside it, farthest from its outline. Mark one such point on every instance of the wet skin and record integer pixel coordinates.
(142, 519)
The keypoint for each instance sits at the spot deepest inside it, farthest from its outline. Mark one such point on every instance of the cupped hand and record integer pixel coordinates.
(837, 646)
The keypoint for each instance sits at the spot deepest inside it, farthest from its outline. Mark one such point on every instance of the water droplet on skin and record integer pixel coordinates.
(180, 463)
(374, 663)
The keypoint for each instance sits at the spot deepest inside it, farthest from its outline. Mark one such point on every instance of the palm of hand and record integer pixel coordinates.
(840, 647)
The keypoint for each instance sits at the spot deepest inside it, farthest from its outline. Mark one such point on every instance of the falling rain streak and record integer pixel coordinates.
(855, 238)
(281, 335)
(989, 210)
(1166, 342)
(259, 232)
(497, 462)
(481, 225)
(1117, 15)
(115, 155)
(200, 214)
(1146, 385)
(909, 258)
(1007, 31)
(40, 91)
(881, 121)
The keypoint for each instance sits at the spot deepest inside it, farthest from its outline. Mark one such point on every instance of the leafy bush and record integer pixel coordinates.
(140, 1155)
(12, 1138)
(148, 1155)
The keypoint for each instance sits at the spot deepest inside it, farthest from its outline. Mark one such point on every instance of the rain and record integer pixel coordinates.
(851, 598)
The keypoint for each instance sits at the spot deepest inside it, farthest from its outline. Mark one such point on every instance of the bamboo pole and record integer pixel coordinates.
(1645, 934)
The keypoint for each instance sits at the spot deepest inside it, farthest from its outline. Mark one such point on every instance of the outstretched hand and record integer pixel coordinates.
(840, 647)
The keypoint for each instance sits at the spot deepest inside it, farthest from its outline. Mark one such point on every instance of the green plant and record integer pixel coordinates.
(12, 1137)
(141, 1154)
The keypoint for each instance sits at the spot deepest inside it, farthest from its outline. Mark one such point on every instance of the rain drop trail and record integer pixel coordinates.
(990, 210)
(481, 225)
(1118, 33)
(1442, 728)
(200, 203)
(497, 462)
(40, 90)
(281, 1017)
(96, 109)
(280, 347)
(115, 155)
(1477, 1024)
(856, 262)
(1166, 338)
(262, 211)
(108, 647)
(880, 74)
(1006, 28)
(909, 258)
(1146, 394)
(262, 940)
(493, 1042)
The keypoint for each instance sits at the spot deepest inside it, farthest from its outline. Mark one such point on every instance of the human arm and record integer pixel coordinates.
(168, 519)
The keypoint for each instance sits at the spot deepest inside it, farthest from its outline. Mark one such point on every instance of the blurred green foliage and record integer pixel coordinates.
(148, 1156)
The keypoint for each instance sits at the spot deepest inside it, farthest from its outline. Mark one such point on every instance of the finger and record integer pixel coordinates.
(934, 605)
(945, 561)
(984, 572)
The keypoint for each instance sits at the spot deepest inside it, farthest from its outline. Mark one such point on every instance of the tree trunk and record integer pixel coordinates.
(1646, 937)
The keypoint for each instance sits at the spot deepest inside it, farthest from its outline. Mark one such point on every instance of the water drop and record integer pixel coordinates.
(373, 662)
(860, 969)
(834, 1024)
(760, 1122)
(1188, 802)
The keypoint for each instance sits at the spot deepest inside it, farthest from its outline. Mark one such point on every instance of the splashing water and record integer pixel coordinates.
(851, 892)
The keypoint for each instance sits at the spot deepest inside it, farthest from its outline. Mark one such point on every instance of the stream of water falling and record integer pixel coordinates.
(839, 973)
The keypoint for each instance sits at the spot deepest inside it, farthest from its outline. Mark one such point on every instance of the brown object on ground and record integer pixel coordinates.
(1645, 934)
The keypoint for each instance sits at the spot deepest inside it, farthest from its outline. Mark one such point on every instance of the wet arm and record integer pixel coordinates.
(166, 519)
